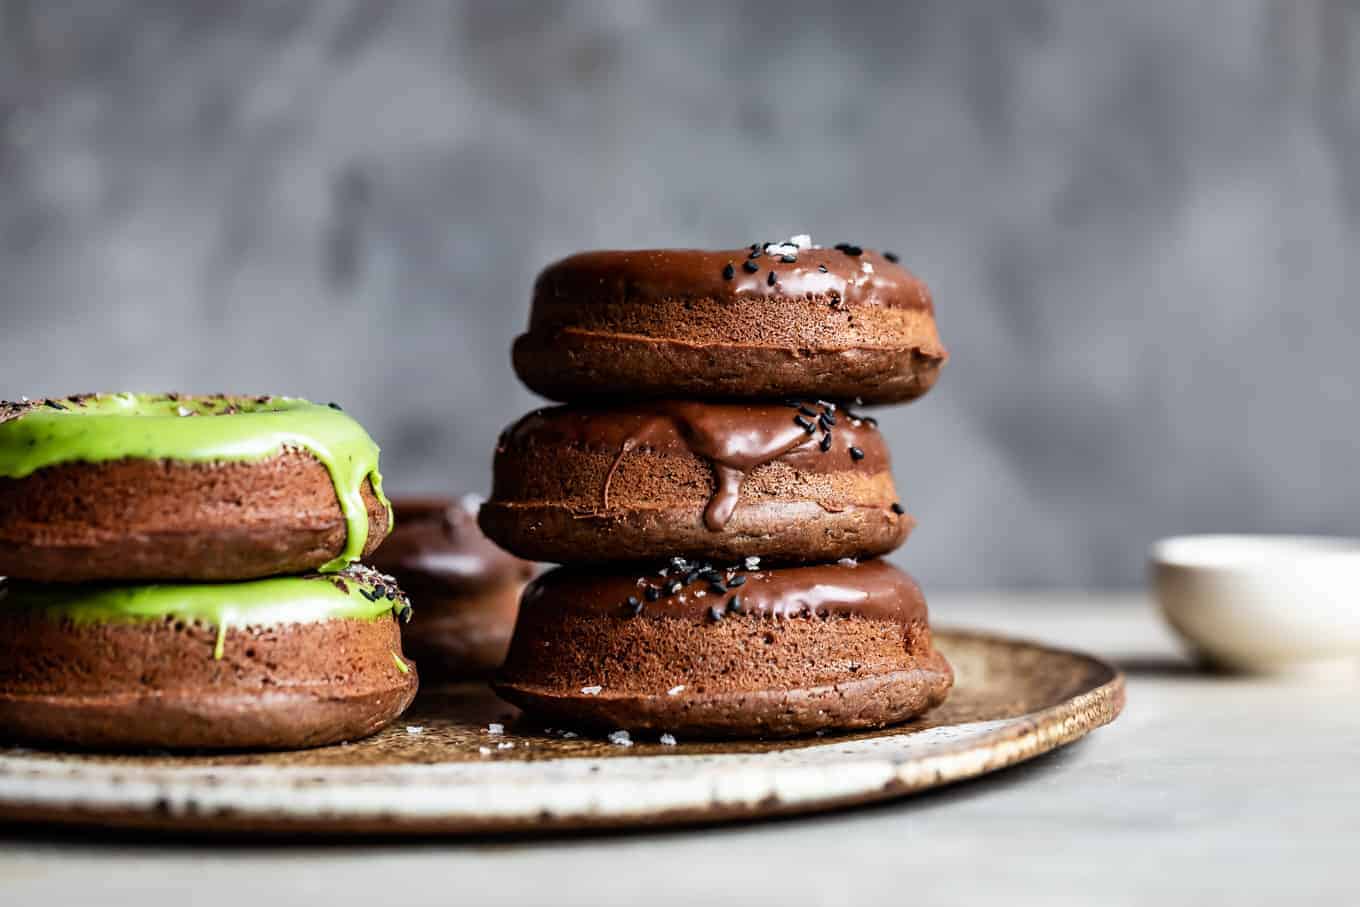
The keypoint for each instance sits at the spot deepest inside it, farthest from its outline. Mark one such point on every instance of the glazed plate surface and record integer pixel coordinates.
(442, 768)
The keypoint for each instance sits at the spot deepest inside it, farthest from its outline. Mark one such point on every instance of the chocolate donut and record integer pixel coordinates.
(802, 481)
(714, 651)
(772, 320)
(464, 588)
(125, 487)
(269, 664)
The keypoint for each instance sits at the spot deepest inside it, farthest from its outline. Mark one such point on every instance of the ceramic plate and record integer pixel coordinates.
(444, 768)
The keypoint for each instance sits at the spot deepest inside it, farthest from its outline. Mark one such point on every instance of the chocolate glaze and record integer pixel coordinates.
(645, 274)
(734, 437)
(437, 549)
(873, 589)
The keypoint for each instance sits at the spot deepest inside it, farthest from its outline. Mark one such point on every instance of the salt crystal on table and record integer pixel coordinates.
(414, 730)
(495, 729)
(591, 691)
(676, 690)
(668, 740)
(621, 738)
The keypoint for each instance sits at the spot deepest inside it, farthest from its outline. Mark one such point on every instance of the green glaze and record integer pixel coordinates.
(261, 602)
(104, 427)
(265, 602)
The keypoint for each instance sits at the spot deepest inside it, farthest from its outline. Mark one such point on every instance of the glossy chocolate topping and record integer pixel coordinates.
(847, 275)
(734, 437)
(438, 549)
(874, 589)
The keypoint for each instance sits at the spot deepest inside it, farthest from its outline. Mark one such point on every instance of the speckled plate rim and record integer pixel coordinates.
(553, 794)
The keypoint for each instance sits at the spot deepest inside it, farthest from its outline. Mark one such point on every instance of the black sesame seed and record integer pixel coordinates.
(755, 247)
(715, 613)
(891, 256)
(788, 259)
(807, 410)
(729, 272)
(717, 588)
(632, 606)
(826, 442)
(898, 508)
(827, 420)
(651, 593)
(827, 405)
(734, 604)
(804, 424)
(675, 587)
(771, 279)
(54, 404)
(856, 453)
(749, 266)
(822, 268)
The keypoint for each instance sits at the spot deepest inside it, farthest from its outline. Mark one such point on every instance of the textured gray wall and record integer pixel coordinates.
(1139, 220)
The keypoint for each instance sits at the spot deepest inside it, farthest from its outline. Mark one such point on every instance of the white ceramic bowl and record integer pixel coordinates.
(1262, 603)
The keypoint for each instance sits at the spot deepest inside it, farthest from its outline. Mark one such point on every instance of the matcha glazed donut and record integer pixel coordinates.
(135, 487)
(279, 663)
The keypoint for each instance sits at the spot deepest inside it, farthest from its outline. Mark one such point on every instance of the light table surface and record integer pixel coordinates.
(1208, 790)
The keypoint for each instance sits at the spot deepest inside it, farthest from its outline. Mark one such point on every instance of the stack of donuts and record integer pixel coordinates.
(182, 574)
(718, 498)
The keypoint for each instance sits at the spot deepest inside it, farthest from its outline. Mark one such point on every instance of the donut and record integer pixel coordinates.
(725, 651)
(136, 488)
(464, 588)
(796, 481)
(769, 321)
(279, 663)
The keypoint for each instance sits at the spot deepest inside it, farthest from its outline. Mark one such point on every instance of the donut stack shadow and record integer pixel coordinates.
(182, 575)
(718, 507)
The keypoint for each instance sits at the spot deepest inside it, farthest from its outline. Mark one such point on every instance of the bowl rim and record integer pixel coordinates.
(1253, 552)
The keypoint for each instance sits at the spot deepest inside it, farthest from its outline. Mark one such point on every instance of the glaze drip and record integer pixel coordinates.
(734, 438)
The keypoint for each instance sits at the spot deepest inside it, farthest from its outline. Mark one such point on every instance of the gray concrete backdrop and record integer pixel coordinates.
(1139, 219)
